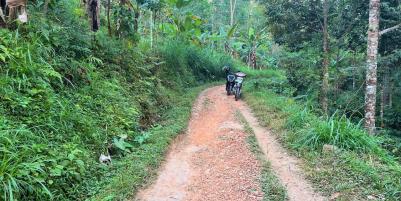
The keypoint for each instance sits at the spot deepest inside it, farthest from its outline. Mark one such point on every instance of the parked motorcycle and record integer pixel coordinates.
(238, 85)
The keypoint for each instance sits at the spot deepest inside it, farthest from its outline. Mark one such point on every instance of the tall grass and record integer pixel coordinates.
(358, 169)
(311, 131)
(18, 168)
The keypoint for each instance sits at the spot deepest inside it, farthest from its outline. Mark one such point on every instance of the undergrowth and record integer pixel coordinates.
(358, 169)
(66, 98)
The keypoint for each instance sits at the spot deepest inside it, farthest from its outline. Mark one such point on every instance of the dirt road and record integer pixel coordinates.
(212, 160)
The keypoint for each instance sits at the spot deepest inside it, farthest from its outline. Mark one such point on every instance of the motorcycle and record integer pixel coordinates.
(230, 84)
(238, 85)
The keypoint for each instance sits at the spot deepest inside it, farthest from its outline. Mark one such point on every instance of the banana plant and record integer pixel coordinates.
(188, 26)
(211, 39)
(248, 46)
(229, 36)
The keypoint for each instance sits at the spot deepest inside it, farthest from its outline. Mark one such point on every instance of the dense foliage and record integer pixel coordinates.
(300, 31)
(68, 95)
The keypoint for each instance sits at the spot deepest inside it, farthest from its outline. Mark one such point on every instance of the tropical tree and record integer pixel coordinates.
(374, 34)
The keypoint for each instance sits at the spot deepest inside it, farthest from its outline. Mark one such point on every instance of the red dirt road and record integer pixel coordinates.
(212, 160)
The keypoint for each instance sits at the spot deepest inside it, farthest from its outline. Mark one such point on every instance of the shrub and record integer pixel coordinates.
(188, 65)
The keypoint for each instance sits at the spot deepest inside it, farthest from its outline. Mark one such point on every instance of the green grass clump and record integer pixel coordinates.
(338, 131)
(310, 131)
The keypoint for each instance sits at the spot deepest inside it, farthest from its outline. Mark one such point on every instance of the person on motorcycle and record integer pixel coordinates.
(230, 79)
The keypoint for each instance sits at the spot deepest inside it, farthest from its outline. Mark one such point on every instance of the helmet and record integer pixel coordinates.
(226, 68)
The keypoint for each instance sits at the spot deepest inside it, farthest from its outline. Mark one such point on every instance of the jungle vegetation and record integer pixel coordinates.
(82, 78)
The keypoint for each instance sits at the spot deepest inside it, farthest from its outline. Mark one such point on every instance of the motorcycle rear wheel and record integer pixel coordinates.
(237, 94)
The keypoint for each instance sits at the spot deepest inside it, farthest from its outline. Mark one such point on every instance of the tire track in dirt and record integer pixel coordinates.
(212, 160)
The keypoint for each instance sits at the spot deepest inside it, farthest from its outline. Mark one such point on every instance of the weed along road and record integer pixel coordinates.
(214, 160)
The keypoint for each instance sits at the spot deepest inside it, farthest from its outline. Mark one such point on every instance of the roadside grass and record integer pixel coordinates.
(271, 186)
(139, 167)
(359, 170)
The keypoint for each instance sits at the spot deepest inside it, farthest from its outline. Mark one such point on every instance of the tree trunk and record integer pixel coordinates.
(250, 9)
(2, 15)
(155, 33)
(93, 9)
(136, 20)
(385, 95)
(248, 59)
(108, 17)
(3, 4)
(386, 86)
(226, 48)
(151, 29)
(233, 5)
(46, 6)
(253, 58)
(390, 94)
(382, 105)
(371, 71)
(326, 62)
(354, 70)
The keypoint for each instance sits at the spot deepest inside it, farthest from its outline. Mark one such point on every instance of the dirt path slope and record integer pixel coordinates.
(213, 162)
(285, 166)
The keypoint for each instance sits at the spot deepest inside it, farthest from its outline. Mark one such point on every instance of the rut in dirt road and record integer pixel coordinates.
(213, 162)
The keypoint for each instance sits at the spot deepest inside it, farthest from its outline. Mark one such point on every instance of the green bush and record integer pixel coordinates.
(268, 79)
(188, 65)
